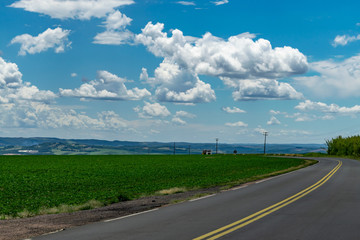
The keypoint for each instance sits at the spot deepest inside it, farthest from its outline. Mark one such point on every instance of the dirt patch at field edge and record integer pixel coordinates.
(23, 228)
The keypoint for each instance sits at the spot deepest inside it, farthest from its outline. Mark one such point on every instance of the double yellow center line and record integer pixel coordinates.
(260, 214)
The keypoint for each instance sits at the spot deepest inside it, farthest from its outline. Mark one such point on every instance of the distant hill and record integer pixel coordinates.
(38, 145)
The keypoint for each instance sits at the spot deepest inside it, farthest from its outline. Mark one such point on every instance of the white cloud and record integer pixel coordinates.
(334, 78)
(184, 114)
(79, 9)
(259, 129)
(220, 2)
(305, 118)
(325, 108)
(117, 20)
(308, 117)
(273, 112)
(273, 121)
(73, 74)
(344, 40)
(144, 76)
(289, 133)
(236, 124)
(30, 93)
(113, 37)
(13, 89)
(111, 120)
(178, 121)
(233, 110)
(39, 115)
(262, 89)
(233, 60)
(10, 76)
(237, 57)
(246, 35)
(107, 86)
(186, 3)
(152, 110)
(116, 32)
(52, 38)
(179, 85)
(153, 131)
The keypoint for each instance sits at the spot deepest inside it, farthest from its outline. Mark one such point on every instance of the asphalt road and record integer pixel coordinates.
(319, 202)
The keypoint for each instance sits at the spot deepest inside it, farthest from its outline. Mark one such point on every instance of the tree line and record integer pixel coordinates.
(349, 146)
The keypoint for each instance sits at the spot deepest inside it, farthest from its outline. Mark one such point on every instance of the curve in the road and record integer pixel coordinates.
(262, 213)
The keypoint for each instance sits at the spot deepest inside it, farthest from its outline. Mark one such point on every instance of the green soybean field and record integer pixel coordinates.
(31, 184)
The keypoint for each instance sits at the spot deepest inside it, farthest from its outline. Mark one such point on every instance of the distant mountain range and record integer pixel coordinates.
(56, 146)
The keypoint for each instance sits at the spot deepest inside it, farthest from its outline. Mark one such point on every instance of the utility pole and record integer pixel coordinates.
(174, 148)
(189, 149)
(217, 141)
(265, 134)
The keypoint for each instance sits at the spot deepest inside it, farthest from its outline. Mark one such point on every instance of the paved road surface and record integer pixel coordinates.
(318, 202)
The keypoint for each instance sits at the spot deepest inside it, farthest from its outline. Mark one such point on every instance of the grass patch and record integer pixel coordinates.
(32, 185)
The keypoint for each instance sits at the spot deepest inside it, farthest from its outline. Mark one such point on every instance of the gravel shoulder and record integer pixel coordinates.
(24, 228)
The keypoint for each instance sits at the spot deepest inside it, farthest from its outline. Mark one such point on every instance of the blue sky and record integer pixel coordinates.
(180, 70)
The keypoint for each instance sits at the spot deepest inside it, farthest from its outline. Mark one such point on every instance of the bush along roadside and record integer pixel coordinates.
(340, 146)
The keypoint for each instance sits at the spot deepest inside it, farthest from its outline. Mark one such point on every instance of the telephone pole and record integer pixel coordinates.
(174, 148)
(217, 141)
(265, 134)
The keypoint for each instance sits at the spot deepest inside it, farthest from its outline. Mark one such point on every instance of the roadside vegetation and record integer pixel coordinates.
(32, 185)
(340, 146)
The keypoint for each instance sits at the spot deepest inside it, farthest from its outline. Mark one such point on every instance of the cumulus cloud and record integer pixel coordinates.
(186, 3)
(334, 78)
(236, 124)
(273, 121)
(344, 40)
(52, 38)
(233, 60)
(106, 86)
(10, 76)
(116, 32)
(262, 89)
(64, 9)
(217, 3)
(237, 57)
(152, 110)
(325, 108)
(233, 110)
(177, 119)
(30, 93)
(178, 85)
(116, 20)
(12, 87)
